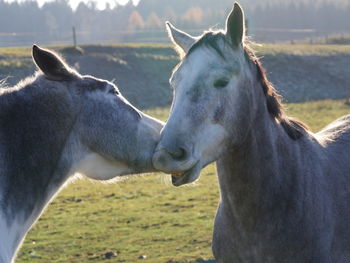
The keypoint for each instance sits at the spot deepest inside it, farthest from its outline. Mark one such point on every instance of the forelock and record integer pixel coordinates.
(210, 39)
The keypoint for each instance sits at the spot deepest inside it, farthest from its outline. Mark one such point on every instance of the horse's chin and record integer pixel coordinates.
(186, 177)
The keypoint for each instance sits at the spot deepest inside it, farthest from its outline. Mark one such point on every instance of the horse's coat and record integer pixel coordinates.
(57, 124)
(285, 191)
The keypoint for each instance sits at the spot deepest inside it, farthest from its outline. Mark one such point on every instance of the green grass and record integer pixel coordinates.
(15, 52)
(302, 49)
(141, 215)
(317, 114)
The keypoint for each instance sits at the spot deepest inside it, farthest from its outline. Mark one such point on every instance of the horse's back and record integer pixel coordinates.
(336, 138)
(336, 141)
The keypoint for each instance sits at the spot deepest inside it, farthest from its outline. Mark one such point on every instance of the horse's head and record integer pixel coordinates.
(212, 99)
(109, 136)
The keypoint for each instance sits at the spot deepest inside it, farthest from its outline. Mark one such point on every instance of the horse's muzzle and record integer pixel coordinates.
(172, 160)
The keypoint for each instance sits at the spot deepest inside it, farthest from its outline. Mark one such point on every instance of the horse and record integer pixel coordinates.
(55, 125)
(284, 191)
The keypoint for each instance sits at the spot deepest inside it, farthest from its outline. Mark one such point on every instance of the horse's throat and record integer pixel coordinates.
(254, 178)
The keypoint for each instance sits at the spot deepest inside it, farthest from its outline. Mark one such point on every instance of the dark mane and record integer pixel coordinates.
(294, 128)
(3, 83)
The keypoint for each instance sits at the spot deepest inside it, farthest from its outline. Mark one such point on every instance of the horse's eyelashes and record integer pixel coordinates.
(221, 83)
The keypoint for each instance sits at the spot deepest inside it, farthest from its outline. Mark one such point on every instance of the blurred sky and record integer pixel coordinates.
(74, 3)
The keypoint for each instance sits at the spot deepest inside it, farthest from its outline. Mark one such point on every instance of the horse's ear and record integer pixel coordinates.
(182, 40)
(50, 64)
(235, 28)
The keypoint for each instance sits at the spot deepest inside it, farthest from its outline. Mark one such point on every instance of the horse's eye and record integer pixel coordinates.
(221, 83)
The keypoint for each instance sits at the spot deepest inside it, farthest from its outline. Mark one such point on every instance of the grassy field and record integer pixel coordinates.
(144, 218)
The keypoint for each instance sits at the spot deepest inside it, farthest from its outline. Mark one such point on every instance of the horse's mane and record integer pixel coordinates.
(3, 83)
(294, 128)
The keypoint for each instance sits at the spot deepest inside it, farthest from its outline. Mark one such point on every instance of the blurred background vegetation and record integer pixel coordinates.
(320, 21)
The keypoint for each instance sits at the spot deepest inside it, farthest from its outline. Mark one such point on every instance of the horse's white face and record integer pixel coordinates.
(207, 102)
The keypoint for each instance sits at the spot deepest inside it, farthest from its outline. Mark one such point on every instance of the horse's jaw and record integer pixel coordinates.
(97, 167)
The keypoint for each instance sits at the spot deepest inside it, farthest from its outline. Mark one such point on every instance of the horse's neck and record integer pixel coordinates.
(14, 225)
(16, 219)
(12, 232)
(259, 176)
(34, 159)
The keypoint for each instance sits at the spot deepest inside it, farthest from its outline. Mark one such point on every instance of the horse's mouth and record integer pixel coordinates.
(177, 174)
(186, 177)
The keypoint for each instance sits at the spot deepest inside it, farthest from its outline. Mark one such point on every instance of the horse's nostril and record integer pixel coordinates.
(178, 153)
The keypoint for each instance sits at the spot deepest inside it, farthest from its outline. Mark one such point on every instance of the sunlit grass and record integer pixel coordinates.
(301, 49)
(14, 52)
(298, 49)
(318, 114)
(15, 63)
(142, 215)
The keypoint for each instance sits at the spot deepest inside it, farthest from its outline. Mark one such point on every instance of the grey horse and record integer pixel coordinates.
(54, 125)
(285, 191)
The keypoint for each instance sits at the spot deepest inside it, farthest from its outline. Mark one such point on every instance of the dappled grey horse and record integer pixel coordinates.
(285, 191)
(58, 124)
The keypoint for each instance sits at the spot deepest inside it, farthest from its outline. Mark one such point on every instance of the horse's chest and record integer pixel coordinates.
(232, 245)
(232, 242)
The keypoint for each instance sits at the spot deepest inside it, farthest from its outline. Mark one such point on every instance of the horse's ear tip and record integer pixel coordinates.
(35, 48)
(168, 24)
(169, 27)
(237, 7)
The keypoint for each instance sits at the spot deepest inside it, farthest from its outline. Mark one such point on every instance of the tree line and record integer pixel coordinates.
(126, 22)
